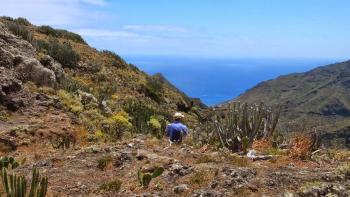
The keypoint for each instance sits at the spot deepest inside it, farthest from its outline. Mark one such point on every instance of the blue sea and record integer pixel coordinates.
(217, 80)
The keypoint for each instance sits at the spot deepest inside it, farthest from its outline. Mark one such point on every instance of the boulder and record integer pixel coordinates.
(30, 69)
(48, 62)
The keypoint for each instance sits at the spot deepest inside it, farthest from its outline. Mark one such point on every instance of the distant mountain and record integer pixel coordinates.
(321, 95)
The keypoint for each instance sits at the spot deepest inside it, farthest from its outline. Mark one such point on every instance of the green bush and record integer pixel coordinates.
(117, 61)
(20, 30)
(117, 125)
(71, 102)
(63, 53)
(45, 29)
(60, 33)
(22, 21)
(103, 162)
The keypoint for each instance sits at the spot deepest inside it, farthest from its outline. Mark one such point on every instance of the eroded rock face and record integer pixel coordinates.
(12, 46)
(30, 69)
(53, 65)
(8, 86)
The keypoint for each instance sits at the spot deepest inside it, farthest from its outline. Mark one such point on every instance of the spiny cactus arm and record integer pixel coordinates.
(146, 179)
(157, 172)
(34, 183)
(43, 187)
(5, 181)
(139, 176)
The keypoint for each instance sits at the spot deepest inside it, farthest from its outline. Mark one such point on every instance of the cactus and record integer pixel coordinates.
(16, 186)
(63, 142)
(6, 162)
(145, 178)
(240, 121)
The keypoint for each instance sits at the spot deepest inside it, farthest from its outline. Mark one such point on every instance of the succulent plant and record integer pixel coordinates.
(238, 125)
(8, 162)
(16, 186)
(145, 178)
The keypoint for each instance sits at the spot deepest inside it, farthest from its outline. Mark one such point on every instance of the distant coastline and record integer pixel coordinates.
(217, 80)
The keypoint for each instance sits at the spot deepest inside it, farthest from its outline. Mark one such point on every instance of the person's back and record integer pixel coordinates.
(176, 130)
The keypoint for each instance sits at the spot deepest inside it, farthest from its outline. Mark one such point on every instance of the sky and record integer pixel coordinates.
(199, 28)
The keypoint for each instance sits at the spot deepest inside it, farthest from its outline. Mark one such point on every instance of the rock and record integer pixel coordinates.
(105, 108)
(53, 65)
(238, 177)
(87, 98)
(9, 85)
(206, 193)
(180, 188)
(30, 69)
(178, 169)
(12, 46)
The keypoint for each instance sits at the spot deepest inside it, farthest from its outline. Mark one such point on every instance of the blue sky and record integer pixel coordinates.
(200, 28)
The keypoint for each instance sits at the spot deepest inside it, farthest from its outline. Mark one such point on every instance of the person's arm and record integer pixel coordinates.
(167, 130)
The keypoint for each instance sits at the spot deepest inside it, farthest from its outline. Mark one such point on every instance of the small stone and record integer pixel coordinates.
(180, 188)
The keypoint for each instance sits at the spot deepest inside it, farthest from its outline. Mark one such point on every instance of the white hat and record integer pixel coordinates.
(178, 115)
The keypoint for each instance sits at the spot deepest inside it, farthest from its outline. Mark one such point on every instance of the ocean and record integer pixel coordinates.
(217, 80)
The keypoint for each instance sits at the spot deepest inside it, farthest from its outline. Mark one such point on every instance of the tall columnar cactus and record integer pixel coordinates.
(16, 186)
(145, 178)
(239, 121)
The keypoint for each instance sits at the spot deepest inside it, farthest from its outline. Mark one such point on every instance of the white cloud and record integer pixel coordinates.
(60, 13)
(105, 33)
(95, 2)
(156, 28)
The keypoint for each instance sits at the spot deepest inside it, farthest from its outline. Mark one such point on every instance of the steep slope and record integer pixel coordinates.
(321, 95)
(48, 74)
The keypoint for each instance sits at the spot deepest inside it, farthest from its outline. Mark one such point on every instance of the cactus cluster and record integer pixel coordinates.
(63, 142)
(238, 125)
(8, 162)
(16, 186)
(145, 178)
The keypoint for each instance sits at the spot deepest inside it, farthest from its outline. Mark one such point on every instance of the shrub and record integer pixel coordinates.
(71, 102)
(113, 186)
(117, 61)
(63, 53)
(70, 35)
(4, 116)
(70, 84)
(20, 30)
(154, 89)
(22, 21)
(155, 126)
(103, 162)
(116, 125)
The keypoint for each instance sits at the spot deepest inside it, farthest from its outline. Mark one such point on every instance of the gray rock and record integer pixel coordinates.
(53, 65)
(178, 169)
(180, 188)
(30, 69)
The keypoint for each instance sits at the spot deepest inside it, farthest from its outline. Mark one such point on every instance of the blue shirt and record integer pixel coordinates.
(176, 130)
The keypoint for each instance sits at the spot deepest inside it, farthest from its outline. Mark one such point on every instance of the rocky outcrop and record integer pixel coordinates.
(12, 46)
(30, 69)
(8, 86)
(53, 65)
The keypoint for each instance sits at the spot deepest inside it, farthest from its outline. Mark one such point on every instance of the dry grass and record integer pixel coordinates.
(262, 145)
(301, 147)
